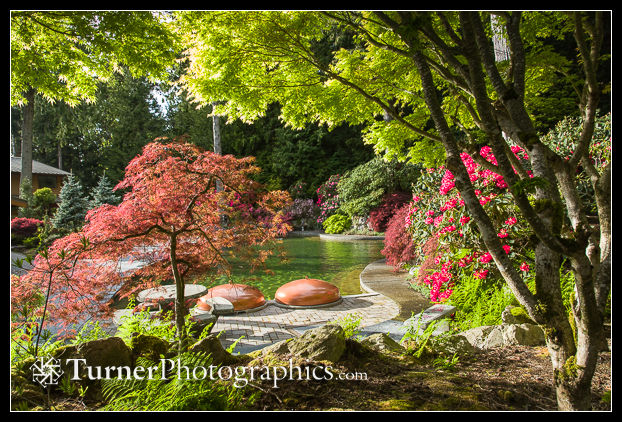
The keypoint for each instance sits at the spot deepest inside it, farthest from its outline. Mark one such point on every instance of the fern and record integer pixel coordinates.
(479, 302)
(171, 392)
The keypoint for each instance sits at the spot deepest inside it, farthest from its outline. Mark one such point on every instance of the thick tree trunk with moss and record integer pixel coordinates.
(573, 359)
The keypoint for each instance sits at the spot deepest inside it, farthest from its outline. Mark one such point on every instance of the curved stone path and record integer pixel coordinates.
(383, 309)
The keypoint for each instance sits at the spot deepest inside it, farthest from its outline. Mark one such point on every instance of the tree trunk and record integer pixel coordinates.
(216, 130)
(59, 153)
(218, 150)
(573, 366)
(180, 304)
(27, 130)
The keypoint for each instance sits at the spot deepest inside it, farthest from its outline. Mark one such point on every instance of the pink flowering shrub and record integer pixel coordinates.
(302, 212)
(438, 211)
(328, 198)
(23, 228)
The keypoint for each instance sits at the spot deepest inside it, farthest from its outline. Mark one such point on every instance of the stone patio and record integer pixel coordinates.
(254, 330)
(385, 305)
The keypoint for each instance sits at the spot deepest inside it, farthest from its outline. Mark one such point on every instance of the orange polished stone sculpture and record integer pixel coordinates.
(307, 292)
(203, 305)
(242, 296)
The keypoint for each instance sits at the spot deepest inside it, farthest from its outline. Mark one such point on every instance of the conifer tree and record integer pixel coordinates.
(72, 206)
(103, 193)
(25, 192)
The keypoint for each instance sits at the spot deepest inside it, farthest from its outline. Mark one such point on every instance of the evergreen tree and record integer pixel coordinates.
(72, 207)
(103, 193)
(25, 192)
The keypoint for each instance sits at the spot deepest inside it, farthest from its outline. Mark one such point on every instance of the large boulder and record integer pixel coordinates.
(327, 342)
(382, 342)
(98, 355)
(111, 351)
(494, 338)
(453, 344)
(523, 334)
(491, 336)
(477, 336)
(151, 347)
(278, 348)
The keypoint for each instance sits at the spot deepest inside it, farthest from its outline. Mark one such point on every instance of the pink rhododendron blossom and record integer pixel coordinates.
(438, 214)
(510, 221)
(481, 274)
(487, 257)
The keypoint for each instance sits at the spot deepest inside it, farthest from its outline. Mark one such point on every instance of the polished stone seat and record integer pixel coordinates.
(307, 292)
(242, 296)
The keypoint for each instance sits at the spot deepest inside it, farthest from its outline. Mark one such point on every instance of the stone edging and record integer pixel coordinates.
(348, 237)
(379, 278)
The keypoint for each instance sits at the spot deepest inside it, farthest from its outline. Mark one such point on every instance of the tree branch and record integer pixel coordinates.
(455, 164)
(590, 64)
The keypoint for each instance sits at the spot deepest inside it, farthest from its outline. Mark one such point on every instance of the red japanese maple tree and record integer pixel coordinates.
(184, 212)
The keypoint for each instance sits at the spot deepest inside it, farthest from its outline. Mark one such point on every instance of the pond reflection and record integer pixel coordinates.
(339, 263)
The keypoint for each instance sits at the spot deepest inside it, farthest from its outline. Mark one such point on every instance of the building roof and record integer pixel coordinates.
(37, 167)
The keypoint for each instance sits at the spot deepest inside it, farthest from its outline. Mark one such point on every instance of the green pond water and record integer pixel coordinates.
(339, 263)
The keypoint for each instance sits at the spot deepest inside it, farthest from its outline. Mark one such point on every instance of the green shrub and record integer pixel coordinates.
(363, 188)
(337, 223)
(31, 242)
(142, 323)
(350, 324)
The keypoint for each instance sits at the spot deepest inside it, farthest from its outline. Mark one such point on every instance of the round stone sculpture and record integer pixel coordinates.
(242, 296)
(167, 293)
(307, 292)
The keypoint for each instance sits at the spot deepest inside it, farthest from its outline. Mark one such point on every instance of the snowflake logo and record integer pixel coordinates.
(46, 371)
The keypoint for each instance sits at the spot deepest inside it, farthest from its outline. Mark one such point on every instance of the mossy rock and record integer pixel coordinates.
(30, 396)
(23, 367)
(151, 347)
(278, 348)
(325, 343)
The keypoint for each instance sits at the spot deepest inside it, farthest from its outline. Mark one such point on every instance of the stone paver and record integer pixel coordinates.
(273, 323)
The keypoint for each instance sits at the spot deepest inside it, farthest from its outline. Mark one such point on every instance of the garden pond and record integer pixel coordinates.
(339, 263)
